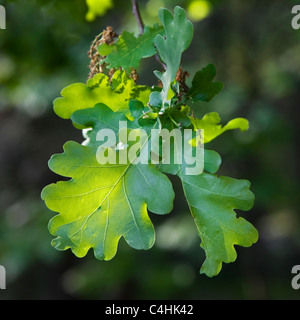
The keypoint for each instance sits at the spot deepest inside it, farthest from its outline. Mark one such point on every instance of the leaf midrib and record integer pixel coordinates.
(113, 186)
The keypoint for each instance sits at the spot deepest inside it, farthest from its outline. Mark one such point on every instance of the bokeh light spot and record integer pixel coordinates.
(199, 9)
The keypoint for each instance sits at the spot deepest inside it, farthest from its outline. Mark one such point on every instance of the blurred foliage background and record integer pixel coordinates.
(257, 56)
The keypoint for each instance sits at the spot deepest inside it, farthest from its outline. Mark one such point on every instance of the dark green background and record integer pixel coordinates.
(257, 56)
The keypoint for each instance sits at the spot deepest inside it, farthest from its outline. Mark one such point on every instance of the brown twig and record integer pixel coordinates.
(137, 14)
(141, 25)
(160, 62)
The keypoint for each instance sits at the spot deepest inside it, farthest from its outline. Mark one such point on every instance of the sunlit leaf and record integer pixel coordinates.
(102, 203)
(105, 198)
(79, 96)
(212, 128)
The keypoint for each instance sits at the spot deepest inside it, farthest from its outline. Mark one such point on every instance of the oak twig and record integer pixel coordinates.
(141, 25)
(137, 14)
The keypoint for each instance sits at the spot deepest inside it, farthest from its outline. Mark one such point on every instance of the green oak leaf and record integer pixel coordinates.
(212, 128)
(102, 203)
(97, 118)
(212, 201)
(178, 36)
(203, 88)
(128, 51)
(105, 201)
(102, 117)
(211, 161)
(80, 96)
(179, 117)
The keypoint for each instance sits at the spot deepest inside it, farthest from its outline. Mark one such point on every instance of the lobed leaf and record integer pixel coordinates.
(178, 36)
(128, 51)
(212, 128)
(102, 203)
(203, 88)
(80, 96)
(212, 201)
(102, 117)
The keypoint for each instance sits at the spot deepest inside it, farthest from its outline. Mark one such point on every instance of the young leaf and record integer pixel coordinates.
(80, 96)
(203, 88)
(212, 128)
(212, 201)
(128, 51)
(178, 36)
